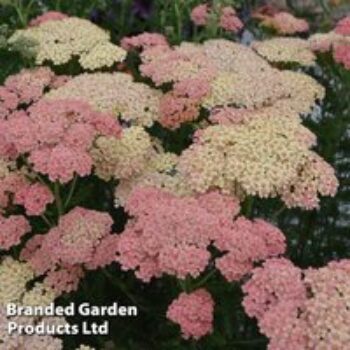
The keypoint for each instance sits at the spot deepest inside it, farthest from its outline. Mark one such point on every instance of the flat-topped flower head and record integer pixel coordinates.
(284, 50)
(343, 26)
(144, 41)
(284, 23)
(229, 20)
(170, 234)
(123, 157)
(200, 14)
(47, 16)
(60, 41)
(116, 93)
(194, 312)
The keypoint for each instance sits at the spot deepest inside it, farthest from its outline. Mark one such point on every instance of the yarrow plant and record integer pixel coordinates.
(159, 172)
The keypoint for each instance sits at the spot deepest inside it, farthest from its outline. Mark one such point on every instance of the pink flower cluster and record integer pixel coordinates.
(337, 41)
(200, 14)
(245, 243)
(343, 26)
(82, 239)
(227, 17)
(300, 309)
(47, 16)
(283, 22)
(16, 189)
(34, 198)
(169, 234)
(57, 135)
(144, 41)
(182, 104)
(12, 229)
(26, 87)
(229, 20)
(194, 313)
(341, 54)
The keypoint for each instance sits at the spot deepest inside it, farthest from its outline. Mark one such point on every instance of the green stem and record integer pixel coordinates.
(58, 199)
(71, 191)
(178, 20)
(47, 221)
(205, 278)
(120, 285)
(248, 206)
(19, 10)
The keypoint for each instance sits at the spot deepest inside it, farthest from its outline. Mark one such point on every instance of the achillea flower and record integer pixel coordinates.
(175, 241)
(39, 295)
(183, 102)
(278, 280)
(327, 312)
(315, 176)
(341, 55)
(122, 157)
(245, 243)
(60, 41)
(116, 93)
(283, 50)
(12, 229)
(76, 237)
(259, 157)
(200, 14)
(229, 20)
(14, 277)
(47, 16)
(64, 279)
(283, 327)
(285, 23)
(26, 87)
(160, 172)
(58, 135)
(80, 240)
(144, 41)
(300, 309)
(11, 182)
(34, 198)
(194, 313)
(186, 61)
(343, 26)
(324, 42)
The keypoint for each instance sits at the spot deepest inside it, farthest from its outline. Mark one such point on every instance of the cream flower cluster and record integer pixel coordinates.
(262, 157)
(133, 102)
(122, 157)
(284, 50)
(160, 172)
(237, 75)
(61, 41)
